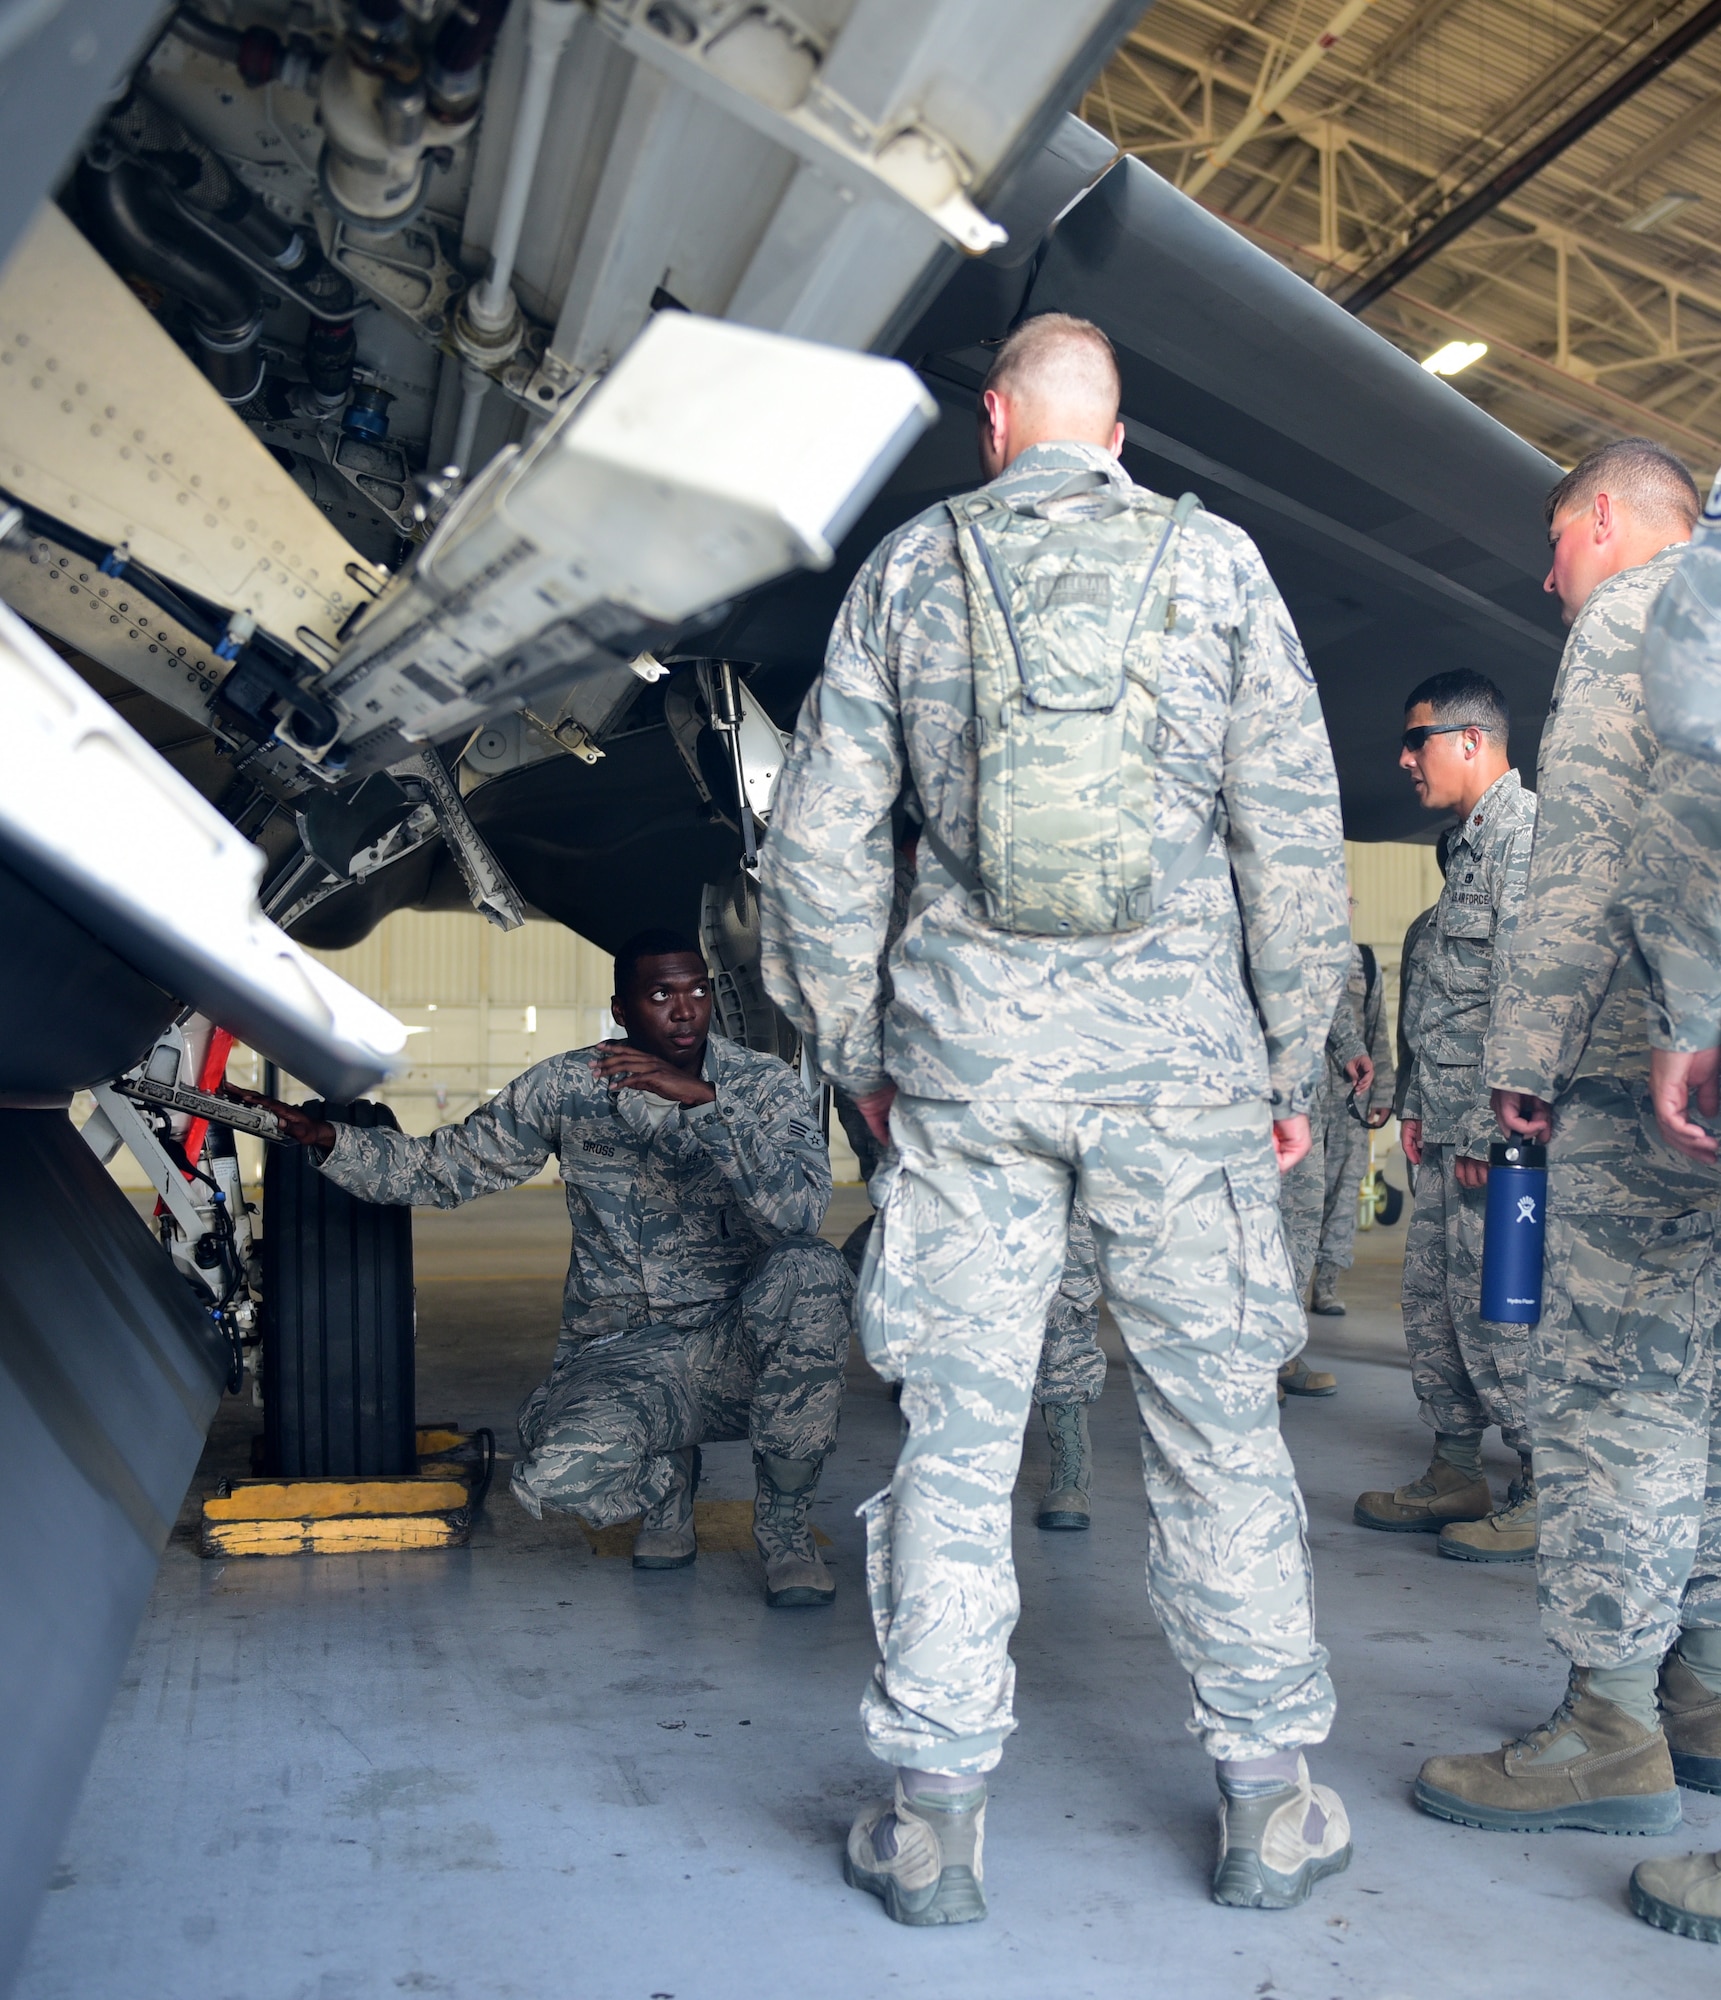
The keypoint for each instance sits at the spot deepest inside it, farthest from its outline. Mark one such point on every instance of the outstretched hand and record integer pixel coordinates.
(297, 1126)
(624, 1067)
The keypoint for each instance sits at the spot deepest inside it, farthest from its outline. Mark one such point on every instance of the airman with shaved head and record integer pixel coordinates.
(1622, 1363)
(1054, 677)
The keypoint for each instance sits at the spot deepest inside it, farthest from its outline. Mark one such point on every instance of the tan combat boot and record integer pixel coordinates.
(1277, 1841)
(1297, 1378)
(1065, 1502)
(1506, 1537)
(1324, 1299)
(1442, 1494)
(923, 1857)
(795, 1573)
(1691, 1717)
(1680, 1894)
(665, 1539)
(1591, 1767)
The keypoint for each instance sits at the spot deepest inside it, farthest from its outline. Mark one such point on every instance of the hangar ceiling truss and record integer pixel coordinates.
(1334, 132)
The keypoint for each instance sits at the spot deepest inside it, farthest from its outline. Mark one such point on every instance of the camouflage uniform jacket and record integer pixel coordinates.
(1458, 971)
(1673, 883)
(668, 1221)
(1672, 890)
(1571, 999)
(1412, 961)
(1156, 1015)
(1359, 1028)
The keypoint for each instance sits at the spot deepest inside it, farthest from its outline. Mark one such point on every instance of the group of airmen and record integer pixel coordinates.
(1054, 893)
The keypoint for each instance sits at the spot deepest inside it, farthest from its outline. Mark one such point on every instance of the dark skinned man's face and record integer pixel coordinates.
(667, 1009)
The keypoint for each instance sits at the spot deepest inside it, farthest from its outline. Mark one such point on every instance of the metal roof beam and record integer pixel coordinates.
(1509, 178)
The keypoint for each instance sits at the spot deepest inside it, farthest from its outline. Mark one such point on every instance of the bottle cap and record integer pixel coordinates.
(1524, 1153)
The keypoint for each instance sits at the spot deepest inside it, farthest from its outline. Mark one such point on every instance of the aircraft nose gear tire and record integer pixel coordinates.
(338, 1322)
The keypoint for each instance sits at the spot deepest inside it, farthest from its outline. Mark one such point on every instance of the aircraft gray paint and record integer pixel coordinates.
(522, 386)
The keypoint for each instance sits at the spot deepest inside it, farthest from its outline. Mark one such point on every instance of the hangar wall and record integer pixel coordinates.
(482, 1004)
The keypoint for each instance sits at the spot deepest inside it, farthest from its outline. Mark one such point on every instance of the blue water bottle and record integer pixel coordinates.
(1514, 1232)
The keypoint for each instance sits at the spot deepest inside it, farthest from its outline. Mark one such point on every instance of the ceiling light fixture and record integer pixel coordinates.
(1658, 211)
(1455, 356)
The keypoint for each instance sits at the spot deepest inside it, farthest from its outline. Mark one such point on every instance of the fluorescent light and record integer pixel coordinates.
(1658, 211)
(531, 1020)
(1455, 356)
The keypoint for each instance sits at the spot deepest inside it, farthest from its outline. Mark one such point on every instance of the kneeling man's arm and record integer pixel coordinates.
(764, 1138)
(501, 1144)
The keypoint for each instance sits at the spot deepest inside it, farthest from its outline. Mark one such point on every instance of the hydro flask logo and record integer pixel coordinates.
(1526, 1208)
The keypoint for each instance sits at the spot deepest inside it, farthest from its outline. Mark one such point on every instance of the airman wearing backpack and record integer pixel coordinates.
(1096, 706)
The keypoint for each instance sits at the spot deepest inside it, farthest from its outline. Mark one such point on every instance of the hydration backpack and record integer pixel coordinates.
(1068, 621)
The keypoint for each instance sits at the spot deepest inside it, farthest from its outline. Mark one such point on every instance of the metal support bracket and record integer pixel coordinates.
(138, 1135)
(486, 881)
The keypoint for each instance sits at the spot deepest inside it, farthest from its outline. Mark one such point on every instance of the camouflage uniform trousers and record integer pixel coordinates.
(768, 1366)
(1626, 1393)
(959, 1277)
(1344, 1142)
(1468, 1372)
(1072, 1362)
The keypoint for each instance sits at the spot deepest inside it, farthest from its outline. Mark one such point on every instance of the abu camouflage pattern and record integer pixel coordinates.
(767, 1367)
(697, 1286)
(1672, 891)
(1413, 956)
(960, 1274)
(1468, 1372)
(1460, 966)
(1641, 1353)
(1344, 1135)
(1628, 1480)
(1673, 885)
(1570, 1000)
(1623, 1388)
(1681, 687)
(1068, 623)
(1159, 1015)
(1303, 1190)
(1130, 1071)
(1072, 1362)
(1344, 1161)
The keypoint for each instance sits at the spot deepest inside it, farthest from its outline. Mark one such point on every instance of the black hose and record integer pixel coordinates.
(202, 180)
(144, 233)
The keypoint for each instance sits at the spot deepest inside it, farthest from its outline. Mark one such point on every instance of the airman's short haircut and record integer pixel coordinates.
(1058, 359)
(656, 943)
(1464, 696)
(1648, 478)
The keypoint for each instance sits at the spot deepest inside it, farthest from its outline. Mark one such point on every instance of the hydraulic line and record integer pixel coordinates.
(144, 232)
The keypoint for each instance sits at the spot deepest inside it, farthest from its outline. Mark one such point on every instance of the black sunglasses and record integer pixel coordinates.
(1414, 739)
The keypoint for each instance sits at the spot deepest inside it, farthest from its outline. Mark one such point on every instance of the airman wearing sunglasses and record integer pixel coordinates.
(1468, 1373)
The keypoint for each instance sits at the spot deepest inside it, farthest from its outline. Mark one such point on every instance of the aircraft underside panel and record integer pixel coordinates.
(109, 1375)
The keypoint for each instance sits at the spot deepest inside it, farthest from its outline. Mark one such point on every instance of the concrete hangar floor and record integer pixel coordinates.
(523, 1770)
